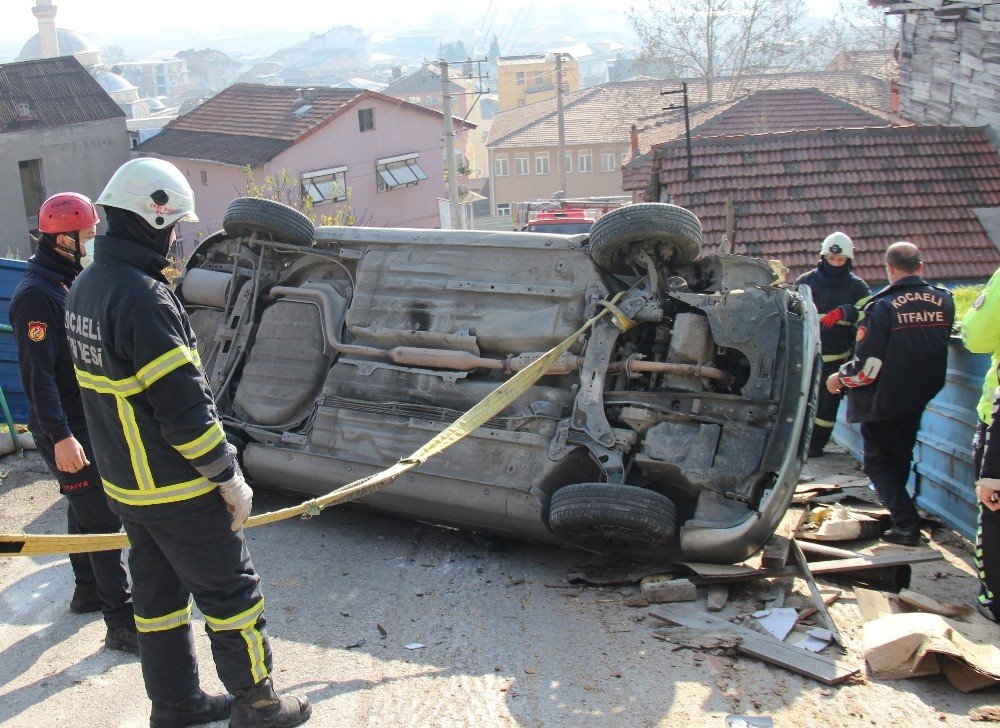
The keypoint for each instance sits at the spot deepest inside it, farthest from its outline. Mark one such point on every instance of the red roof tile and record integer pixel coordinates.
(878, 185)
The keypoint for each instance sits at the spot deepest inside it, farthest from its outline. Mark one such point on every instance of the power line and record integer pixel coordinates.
(514, 36)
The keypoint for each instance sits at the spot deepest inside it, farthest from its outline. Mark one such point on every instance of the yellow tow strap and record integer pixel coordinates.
(37, 545)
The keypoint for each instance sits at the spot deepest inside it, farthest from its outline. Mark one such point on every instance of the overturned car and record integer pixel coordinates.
(675, 428)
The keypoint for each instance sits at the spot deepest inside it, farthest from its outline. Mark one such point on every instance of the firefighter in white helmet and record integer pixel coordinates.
(839, 296)
(167, 468)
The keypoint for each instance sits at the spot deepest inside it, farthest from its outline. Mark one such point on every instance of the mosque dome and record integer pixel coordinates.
(71, 43)
(118, 88)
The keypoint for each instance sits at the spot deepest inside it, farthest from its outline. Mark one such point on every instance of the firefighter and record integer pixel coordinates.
(839, 296)
(168, 469)
(67, 223)
(981, 333)
(898, 366)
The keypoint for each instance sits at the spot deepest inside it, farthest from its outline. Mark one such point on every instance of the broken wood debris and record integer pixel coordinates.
(814, 590)
(658, 590)
(826, 669)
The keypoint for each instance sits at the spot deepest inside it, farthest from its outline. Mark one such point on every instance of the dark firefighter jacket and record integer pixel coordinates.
(828, 292)
(901, 353)
(152, 418)
(36, 316)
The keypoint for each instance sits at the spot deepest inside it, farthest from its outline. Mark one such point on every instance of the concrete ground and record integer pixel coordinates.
(505, 639)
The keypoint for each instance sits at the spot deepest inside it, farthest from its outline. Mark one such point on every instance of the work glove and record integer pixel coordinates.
(832, 317)
(238, 497)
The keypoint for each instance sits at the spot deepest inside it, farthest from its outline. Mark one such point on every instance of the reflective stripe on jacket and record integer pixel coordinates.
(152, 418)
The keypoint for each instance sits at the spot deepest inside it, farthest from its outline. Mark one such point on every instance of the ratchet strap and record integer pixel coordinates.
(496, 401)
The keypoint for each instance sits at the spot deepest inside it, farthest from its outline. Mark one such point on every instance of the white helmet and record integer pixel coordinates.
(153, 189)
(837, 244)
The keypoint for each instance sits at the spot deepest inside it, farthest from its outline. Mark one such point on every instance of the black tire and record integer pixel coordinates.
(246, 216)
(667, 231)
(602, 516)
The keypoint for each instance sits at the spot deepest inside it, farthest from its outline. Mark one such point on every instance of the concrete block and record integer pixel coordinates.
(673, 590)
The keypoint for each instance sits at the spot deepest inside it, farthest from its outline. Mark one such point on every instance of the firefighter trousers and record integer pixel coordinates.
(888, 455)
(87, 513)
(987, 552)
(827, 405)
(195, 553)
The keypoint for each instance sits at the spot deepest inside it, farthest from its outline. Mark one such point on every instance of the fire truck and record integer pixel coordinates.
(564, 216)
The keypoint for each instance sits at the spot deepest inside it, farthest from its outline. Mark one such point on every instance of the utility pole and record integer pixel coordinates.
(449, 148)
(561, 118)
(687, 121)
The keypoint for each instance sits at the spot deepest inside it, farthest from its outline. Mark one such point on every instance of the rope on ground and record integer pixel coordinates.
(497, 400)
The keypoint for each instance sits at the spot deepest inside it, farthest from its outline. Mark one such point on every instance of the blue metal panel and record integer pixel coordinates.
(943, 471)
(10, 378)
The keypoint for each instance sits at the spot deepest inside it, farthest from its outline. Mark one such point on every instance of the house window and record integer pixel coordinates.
(608, 160)
(325, 185)
(568, 161)
(503, 208)
(413, 99)
(401, 171)
(520, 78)
(204, 178)
(539, 78)
(520, 164)
(542, 163)
(625, 156)
(501, 168)
(32, 187)
(366, 119)
(585, 161)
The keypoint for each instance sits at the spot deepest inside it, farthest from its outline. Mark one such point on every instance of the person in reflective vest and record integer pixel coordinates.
(167, 467)
(981, 334)
(839, 296)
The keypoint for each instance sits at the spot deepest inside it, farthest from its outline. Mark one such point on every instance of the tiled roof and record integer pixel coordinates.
(210, 146)
(878, 185)
(58, 91)
(249, 109)
(250, 121)
(759, 113)
(606, 112)
(878, 63)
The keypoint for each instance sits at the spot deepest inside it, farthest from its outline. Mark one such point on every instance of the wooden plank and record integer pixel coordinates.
(704, 576)
(875, 604)
(800, 559)
(776, 549)
(824, 668)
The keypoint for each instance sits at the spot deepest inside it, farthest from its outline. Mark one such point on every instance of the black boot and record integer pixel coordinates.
(909, 536)
(123, 639)
(196, 710)
(261, 707)
(86, 599)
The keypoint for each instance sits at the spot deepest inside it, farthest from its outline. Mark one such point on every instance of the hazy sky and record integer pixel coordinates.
(181, 23)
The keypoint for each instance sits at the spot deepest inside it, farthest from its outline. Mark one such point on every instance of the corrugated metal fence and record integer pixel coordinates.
(10, 379)
(942, 476)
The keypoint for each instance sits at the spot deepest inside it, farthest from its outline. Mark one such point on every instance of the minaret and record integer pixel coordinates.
(48, 41)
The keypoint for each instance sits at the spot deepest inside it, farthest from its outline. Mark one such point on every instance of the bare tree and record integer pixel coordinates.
(113, 55)
(715, 38)
(856, 26)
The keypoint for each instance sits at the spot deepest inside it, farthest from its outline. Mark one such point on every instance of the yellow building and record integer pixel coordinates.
(523, 80)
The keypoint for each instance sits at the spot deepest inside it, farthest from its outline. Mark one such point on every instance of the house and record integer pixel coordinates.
(340, 147)
(524, 142)
(157, 77)
(949, 61)
(880, 63)
(59, 131)
(931, 185)
(209, 70)
(524, 80)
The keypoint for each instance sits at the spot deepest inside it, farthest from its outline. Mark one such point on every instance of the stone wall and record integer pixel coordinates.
(949, 68)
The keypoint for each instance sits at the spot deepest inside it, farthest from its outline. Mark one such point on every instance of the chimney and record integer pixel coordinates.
(23, 111)
(48, 41)
(635, 140)
(307, 95)
(397, 73)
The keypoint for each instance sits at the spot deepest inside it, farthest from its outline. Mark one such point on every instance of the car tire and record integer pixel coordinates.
(248, 216)
(672, 231)
(600, 516)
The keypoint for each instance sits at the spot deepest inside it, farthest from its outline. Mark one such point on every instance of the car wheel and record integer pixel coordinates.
(673, 232)
(601, 515)
(246, 216)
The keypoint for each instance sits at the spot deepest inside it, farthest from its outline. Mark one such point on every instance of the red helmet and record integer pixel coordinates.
(66, 212)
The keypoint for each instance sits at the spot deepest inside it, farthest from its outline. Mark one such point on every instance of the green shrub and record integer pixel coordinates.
(964, 297)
